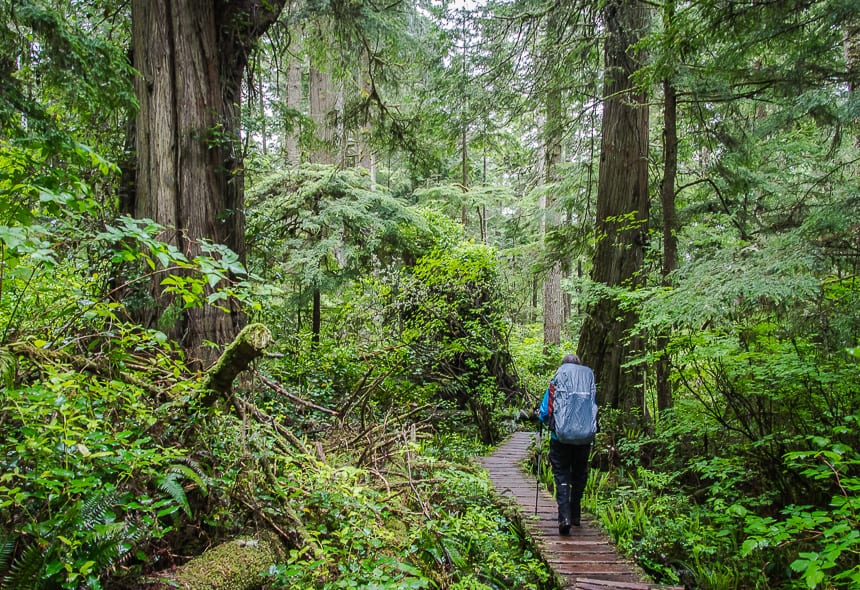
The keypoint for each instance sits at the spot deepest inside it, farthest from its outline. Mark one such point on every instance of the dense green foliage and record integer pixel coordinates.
(111, 463)
(404, 302)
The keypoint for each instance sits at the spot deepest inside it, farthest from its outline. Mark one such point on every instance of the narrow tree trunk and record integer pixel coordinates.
(364, 149)
(553, 302)
(851, 49)
(316, 317)
(464, 175)
(260, 89)
(464, 130)
(622, 210)
(670, 229)
(323, 107)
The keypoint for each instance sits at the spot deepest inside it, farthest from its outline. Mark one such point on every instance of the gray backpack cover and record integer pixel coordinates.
(574, 412)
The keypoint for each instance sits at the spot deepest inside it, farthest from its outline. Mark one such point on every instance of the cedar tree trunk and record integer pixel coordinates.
(622, 209)
(191, 56)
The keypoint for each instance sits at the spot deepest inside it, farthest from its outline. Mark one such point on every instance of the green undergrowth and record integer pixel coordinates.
(713, 537)
(104, 485)
(670, 540)
(707, 522)
(438, 527)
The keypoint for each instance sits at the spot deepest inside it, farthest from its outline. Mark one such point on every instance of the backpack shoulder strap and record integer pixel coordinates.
(551, 400)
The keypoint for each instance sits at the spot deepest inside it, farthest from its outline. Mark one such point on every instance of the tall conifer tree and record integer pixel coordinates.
(622, 207)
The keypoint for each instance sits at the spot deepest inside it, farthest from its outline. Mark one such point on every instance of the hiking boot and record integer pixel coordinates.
(563, 499)
(564, 526)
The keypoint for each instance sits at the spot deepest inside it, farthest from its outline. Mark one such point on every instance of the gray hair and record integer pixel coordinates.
(571, 358)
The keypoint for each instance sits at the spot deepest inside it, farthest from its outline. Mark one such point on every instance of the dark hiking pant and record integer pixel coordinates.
(570, 471)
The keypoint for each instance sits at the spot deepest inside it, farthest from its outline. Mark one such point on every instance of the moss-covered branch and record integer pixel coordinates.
(248, 345)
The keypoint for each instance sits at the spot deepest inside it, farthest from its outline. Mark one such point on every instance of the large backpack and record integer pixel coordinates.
(572, 413)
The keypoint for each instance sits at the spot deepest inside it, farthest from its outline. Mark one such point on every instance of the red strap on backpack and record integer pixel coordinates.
(550, 403)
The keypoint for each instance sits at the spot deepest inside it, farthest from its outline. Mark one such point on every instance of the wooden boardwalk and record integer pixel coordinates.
(584, 560)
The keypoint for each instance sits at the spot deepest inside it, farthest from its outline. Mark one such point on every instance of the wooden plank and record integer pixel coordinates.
(596, 584)
(592, 584)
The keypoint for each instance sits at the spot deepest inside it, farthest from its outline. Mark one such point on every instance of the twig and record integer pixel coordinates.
(281, 390)
(243, 407)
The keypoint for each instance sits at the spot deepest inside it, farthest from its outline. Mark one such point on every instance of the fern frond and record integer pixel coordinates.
(7, 545)
(25, 569)
(193, 472)
(8, 368)
(113, 544)
(105, 553)
(170, 485)
(95, 509)
(133, 536)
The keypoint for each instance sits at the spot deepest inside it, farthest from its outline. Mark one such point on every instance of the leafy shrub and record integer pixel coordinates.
(83, 484)
(822, 543)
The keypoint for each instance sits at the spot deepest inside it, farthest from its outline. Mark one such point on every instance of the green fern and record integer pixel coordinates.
(113, 543)
(7, 546)
(193, 472)
(26, 569)
(100, 540)
(170, 485)
(8, 368)
(94, 510)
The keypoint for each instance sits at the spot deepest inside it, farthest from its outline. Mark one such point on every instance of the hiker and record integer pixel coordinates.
(569, 406)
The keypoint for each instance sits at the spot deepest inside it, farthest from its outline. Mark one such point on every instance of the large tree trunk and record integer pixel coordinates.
(191, 55)
(295, 95)
(622, 209)
(324, 102)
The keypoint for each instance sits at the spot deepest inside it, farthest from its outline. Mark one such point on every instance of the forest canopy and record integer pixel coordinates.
(274, 273)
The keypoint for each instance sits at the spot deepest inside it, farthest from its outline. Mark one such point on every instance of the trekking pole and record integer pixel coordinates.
(540, 450)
